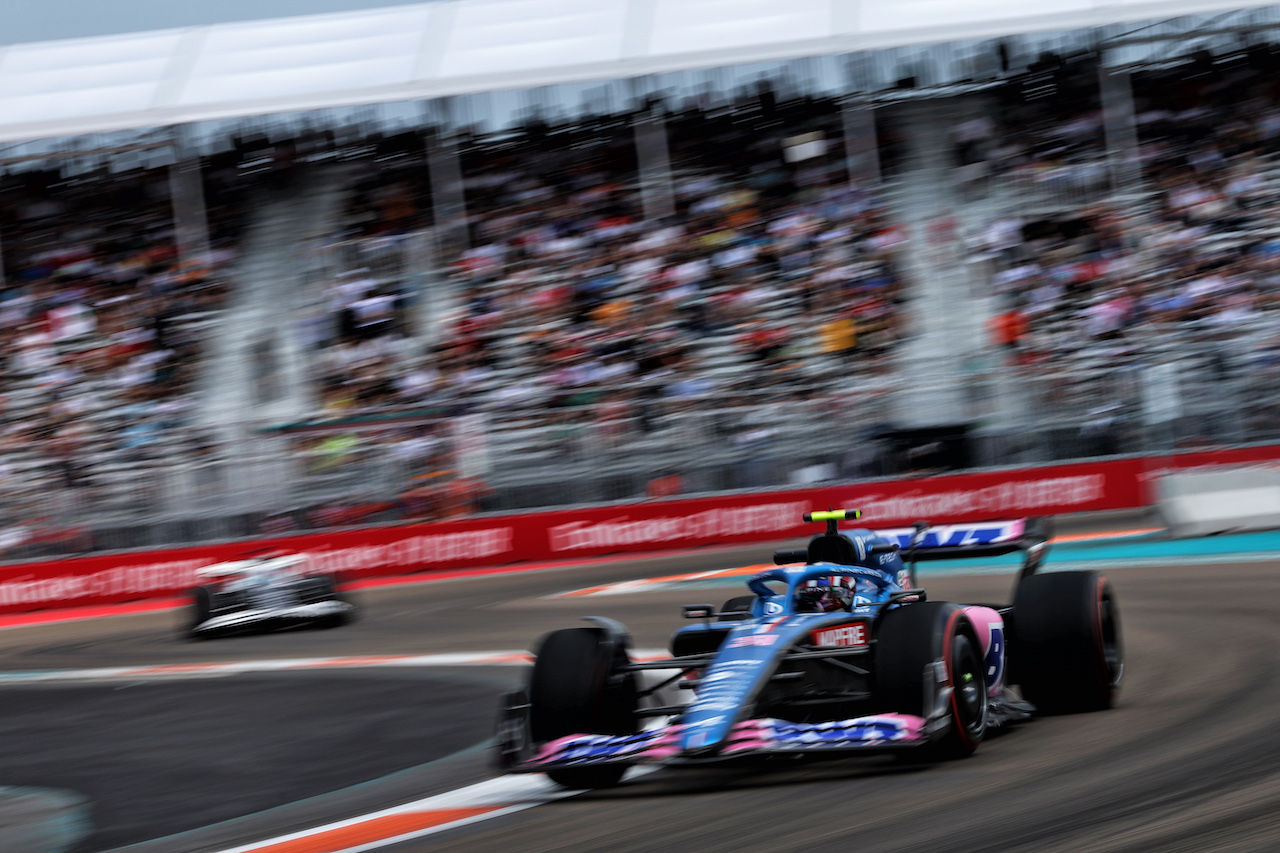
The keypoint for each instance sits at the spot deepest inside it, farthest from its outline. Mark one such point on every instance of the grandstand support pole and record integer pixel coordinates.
(657, 193)
(1120, 128)
(861, 147)
(186, 198)
(431, 284)
(448, 196)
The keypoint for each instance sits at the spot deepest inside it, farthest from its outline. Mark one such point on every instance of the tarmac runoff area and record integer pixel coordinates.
(115, 748)
(184, 713)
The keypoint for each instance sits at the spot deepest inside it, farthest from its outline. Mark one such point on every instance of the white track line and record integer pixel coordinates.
(205, 670)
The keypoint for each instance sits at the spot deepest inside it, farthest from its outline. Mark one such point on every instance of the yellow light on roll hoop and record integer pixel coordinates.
(833, 515)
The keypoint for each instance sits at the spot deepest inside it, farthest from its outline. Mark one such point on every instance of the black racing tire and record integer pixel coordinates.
(324, 588)
(1065, 649)
(199, 612)
(575, 688)
(908, 641)
(736, 609)
(316, 588)
(337, 620)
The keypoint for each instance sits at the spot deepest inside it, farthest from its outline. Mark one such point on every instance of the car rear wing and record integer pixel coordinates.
(251, 566)
(922, 541)
(976, 539)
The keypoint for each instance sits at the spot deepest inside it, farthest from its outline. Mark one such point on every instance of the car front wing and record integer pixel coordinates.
(758, 737)
(271, 615)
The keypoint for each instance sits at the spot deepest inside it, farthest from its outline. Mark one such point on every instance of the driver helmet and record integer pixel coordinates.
(826, 595)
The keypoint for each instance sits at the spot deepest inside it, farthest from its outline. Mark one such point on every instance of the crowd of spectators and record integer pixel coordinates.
(769, 267)
(101, 318)
(582, 312)
(1188, 251)
(572, 292)
(593, 293)
(1043, 125)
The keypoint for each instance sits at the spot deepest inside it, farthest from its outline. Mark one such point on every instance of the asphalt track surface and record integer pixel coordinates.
(1189, 760)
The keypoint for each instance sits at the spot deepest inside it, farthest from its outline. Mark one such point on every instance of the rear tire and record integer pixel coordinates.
(909, 639)
(316, 588)
(576, 688)
(323, 588)
(1065, 649)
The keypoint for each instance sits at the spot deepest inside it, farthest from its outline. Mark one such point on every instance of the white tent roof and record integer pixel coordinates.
(450, 47)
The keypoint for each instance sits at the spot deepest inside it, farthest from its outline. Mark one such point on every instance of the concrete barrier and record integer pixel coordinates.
(1201, 503)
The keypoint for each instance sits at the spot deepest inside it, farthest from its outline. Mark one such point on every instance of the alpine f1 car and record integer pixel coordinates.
(264, 593)
(837, 650)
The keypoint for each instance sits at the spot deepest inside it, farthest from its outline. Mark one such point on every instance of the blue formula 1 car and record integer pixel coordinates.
(836, 651)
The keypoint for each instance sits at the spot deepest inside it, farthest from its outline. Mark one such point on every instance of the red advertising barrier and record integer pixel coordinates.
(594, 531)
(368, 552)
(597, 531)
(1053, 490)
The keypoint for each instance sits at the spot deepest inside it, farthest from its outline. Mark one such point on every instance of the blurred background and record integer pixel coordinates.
(416, 261)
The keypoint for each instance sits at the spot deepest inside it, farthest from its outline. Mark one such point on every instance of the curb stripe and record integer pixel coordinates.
(484, 800)
(1110, 534)
(441, 827)
(642, 584)
(385, 829)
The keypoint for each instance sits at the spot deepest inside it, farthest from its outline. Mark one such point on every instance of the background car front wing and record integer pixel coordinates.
(254, 616)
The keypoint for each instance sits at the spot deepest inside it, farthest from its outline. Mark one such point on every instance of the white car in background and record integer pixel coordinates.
(264, 593)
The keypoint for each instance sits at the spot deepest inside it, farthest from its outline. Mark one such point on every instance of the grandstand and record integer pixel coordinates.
(441, 257)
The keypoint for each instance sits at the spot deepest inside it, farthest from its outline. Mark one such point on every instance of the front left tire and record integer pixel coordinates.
(910, 641)
(576, 688)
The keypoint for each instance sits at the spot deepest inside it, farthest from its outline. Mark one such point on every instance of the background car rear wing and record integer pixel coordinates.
(251, 566)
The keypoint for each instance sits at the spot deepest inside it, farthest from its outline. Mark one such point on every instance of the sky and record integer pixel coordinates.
(46, 20)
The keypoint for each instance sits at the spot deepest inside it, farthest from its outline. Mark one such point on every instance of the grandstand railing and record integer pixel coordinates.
(1054, 188)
